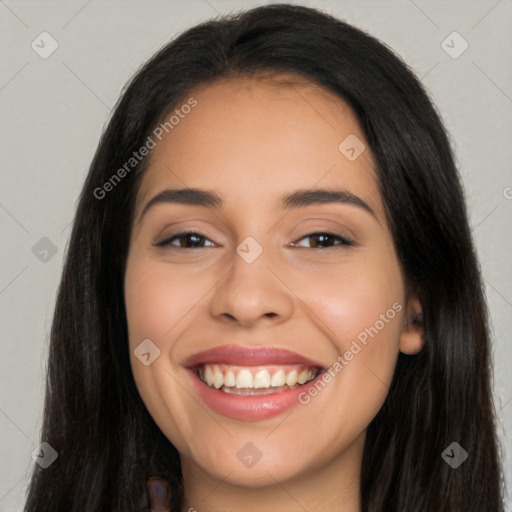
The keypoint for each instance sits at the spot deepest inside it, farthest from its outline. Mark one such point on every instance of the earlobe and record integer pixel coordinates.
(411, 337)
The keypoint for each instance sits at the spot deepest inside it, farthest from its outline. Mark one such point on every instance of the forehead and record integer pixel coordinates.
(251, 137)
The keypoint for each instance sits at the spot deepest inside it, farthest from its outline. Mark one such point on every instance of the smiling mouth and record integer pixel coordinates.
(255, 380)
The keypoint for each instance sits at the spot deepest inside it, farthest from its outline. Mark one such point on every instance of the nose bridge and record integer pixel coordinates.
(251, 289)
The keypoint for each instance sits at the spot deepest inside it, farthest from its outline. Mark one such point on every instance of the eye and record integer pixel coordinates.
(194, 240)
(190, 239)
(322, 240)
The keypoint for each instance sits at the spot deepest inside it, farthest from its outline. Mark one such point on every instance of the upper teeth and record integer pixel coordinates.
(255, 377)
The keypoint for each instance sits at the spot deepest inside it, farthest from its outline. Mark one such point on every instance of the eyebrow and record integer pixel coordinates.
(297, 199)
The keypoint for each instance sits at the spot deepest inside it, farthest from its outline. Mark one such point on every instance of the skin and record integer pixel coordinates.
(252, 140)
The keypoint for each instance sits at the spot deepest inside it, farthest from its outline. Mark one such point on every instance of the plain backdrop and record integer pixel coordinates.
(54, 109)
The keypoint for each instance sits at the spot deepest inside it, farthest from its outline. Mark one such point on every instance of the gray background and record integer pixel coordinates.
(53, 111)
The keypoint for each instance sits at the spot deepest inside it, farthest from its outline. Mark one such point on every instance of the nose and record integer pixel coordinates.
(252, 292)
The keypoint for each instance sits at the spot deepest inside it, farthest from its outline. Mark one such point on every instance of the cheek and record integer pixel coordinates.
(360, 310)
(156, 301)
(153, 308)
(355, 298)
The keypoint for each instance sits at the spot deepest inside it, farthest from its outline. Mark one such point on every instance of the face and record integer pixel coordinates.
(281, 288)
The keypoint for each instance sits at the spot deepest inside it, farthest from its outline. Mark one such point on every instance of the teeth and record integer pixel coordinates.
(208, 376)
(244, 379)
(262, 379)
(291, 378)
(227, 378)
(303, 377)
(278, 379)
(218, 378)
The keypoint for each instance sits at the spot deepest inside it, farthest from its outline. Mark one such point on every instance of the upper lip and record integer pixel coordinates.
(248, 356)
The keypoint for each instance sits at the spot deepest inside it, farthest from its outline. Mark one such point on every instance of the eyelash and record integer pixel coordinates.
(166, 242)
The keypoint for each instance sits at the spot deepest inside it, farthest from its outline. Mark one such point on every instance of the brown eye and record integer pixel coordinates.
(323, 240)
(186, 240)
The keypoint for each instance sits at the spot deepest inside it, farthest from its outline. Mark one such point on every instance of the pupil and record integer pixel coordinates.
(321, 238)
(191, 237)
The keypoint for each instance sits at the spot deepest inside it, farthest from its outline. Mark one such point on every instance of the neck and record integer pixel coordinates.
(332, 485)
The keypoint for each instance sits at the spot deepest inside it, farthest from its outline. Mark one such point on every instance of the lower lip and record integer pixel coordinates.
(248, 408)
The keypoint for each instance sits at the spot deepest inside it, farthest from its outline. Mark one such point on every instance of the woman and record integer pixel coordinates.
(271, 299)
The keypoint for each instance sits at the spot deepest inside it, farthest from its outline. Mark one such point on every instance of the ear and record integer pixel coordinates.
(411, 337)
